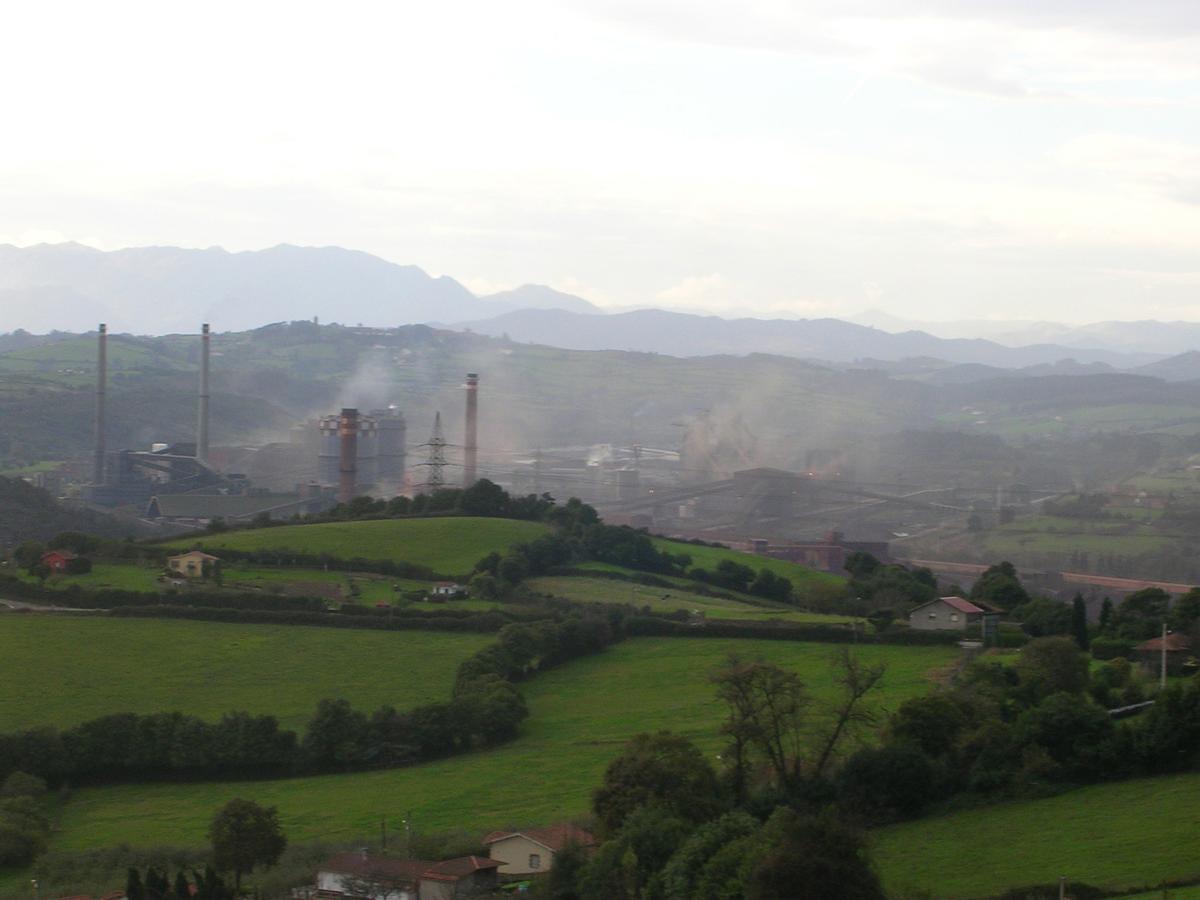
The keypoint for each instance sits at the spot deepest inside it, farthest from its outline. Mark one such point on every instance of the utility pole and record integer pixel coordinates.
(1062, 887)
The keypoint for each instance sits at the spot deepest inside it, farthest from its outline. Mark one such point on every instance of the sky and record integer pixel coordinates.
(938, 160)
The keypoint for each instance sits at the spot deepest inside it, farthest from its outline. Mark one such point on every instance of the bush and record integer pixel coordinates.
(1112, 648)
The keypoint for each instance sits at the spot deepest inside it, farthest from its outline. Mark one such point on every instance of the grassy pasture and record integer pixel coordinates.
(575, 728)
(709, 557)
(1123, 835)
(62, 670)
(449, 545)
(607, 590)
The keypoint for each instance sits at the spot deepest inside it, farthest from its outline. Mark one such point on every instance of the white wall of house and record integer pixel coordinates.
(520, 855)
(938, 616)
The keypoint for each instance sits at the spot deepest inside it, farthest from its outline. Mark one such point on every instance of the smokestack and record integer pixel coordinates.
(202, 411)
(470, 448)
(101, 379)
(348, 459)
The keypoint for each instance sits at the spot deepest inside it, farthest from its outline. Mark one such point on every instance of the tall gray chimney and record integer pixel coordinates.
(202, 412)
(470, 447)
(101, 379)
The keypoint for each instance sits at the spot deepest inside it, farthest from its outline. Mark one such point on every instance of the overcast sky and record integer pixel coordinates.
(938, 160)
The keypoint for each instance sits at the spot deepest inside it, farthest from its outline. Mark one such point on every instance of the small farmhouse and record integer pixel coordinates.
(194, 564)
(57, 561)
(357, 875)
(952, 614)
(448, 589)
(531, 851)
(1178, 652)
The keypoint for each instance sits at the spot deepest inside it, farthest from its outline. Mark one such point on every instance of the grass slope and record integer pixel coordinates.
(449, 545)
(710, 557)
(1124, 835)
(63, 670)
(574, 730)
(607, 590)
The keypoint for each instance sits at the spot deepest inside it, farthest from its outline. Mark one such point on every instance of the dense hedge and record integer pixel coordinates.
(113, 598)
(782, 631)
(475, 622)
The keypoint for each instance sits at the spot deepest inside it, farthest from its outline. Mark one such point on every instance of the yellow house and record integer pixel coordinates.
(194, 564)
(533, 850)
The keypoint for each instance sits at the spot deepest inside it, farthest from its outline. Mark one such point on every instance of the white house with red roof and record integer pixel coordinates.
(532, 850)
(950, 614)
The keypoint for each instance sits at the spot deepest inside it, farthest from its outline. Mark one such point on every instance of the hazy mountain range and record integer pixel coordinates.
(156, 290)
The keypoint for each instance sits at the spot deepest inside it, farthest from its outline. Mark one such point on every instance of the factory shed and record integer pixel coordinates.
(200, 509)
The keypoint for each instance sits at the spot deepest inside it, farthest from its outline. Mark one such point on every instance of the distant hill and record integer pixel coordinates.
(538, 296)
(157, 290)
(1184, 367)
(833, 340)
(1147, 336)
(29, 513)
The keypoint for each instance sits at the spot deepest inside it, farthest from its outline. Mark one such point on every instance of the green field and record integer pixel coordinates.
(608, 590)
(450, 545)
(709, 557)
(574, 729)
(1125, 835)
(62, 670)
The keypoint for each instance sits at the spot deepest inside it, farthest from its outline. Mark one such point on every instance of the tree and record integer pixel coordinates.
(896, 780)
(665, 769)
(133, 885)
(1106, 614)
(861, 564)
(1000, 586)
(244, 835)
(335, 736)
(1186, 613)
(857, 681)
(766, 710)
(932, 723)
(1042, 617)
(811, 858)
(1052, 665)
(680, 877)
(1079, 625)
(28, 553)
(1141, 614)
(563, 880)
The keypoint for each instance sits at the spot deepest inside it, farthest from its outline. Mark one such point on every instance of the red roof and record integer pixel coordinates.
(963, 606)
(461, 867)
(1176, 643)
(553, 837)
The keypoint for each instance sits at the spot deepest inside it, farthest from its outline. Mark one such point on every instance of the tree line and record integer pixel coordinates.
(484, 709)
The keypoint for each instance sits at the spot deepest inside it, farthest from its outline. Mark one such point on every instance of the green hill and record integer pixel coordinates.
(573, 731)
(65, 670)
(30, 513)
(1126, 835)
(449, 545)
(710, 557)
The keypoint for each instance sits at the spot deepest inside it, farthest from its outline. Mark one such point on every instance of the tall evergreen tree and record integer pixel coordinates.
(1106, 612)
(134, 889)
(1079, 626)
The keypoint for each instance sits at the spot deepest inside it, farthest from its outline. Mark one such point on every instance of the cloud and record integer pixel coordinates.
(1170, 169)
(1008, 49)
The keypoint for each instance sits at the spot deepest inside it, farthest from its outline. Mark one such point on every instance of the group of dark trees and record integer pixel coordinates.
(242, 835)
(1010, 729)
(24, 826)
(675, 827)
(891, 589)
